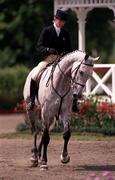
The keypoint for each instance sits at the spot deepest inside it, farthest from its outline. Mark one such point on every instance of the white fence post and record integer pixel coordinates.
(113, 83)
(88, 87)
(101, 81)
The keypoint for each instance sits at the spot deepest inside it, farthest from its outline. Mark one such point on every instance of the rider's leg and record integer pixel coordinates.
(34, 83)
(36, 78)
(33, 94)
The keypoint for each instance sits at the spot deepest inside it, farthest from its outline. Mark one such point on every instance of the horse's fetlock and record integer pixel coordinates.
(39, 154)
(34, 150)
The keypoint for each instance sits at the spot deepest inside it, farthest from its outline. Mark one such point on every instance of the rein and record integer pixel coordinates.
(47, 84)
(61, 97)
(54, 64)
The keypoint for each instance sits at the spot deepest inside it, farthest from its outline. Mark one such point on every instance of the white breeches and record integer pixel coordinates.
(38, 69)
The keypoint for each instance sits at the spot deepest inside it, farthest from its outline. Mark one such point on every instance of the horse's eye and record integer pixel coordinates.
(81, 72)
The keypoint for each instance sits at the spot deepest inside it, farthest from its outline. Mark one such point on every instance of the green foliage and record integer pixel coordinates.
(11, 86)
(20, 25)
(22, 127)
(22, 21)
(100, 33)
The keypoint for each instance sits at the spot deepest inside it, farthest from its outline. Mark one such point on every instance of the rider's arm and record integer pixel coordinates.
(42, 43)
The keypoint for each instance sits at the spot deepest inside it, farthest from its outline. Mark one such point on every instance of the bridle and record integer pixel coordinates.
(72, 79)
(76, 71)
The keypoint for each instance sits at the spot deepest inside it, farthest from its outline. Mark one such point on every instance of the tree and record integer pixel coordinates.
(20, 24)
(22, 21)
(100, 33)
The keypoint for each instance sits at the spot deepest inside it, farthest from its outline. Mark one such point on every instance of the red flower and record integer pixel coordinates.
(103, 107)
(20, 107)
(85, 106)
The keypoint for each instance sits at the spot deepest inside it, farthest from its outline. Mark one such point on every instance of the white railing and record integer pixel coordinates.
(101, 81)
(84, 3)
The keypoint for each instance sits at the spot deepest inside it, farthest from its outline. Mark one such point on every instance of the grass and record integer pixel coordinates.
(58, 136)
(14, 135)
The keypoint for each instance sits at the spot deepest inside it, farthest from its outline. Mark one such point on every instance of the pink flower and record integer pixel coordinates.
(97, 178)
(109, 178)
(105, 173)
(88, 178)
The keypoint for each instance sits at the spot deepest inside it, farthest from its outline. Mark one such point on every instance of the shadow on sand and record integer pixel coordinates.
(96, 168)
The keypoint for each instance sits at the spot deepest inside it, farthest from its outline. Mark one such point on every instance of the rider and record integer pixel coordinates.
(53, 41)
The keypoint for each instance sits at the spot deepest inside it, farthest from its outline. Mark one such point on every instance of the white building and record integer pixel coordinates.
(81, 8)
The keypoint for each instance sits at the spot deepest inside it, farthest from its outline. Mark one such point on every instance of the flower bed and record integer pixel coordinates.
(93, 116)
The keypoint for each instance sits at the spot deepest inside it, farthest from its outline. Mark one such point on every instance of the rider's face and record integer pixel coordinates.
(59, 23)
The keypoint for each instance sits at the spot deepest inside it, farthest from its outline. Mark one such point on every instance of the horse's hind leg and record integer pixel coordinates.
(44, 142)
(66, 136)
(34, 157)
(31, 117)
(40, 149)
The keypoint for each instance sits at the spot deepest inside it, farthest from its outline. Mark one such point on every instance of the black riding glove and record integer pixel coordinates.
(52, 51)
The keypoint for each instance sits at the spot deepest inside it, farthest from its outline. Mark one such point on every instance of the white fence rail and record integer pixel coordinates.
(103, 78)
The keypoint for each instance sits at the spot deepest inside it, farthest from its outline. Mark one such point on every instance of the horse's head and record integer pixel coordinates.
(81, 72)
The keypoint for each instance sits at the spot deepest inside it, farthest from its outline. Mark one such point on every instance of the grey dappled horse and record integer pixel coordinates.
(56, 87)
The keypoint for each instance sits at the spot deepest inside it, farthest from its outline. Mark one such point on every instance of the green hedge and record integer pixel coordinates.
(11, 86)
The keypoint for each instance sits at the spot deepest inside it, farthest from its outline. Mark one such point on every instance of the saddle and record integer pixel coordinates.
(51, 58)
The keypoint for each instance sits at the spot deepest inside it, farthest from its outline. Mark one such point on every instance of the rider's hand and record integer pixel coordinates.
(51, 51)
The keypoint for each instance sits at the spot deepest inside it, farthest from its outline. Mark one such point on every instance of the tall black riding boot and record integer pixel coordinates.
(33, 94)
(75, 107)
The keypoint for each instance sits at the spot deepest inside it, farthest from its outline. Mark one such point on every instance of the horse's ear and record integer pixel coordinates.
(96, 59)
(86, 56)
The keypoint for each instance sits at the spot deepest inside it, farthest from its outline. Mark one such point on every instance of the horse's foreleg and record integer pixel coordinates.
(66, 136)
(34, 157)
(40, 148)
(45, 141)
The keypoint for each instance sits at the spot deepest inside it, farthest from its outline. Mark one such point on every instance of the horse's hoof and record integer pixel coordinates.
(44, 167)
(34, 162)
(33, 158)
(65, 159)
(39, 161)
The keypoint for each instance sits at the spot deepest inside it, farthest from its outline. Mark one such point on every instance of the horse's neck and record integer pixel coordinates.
(62, 72)
(63, 69)
(68, 60)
